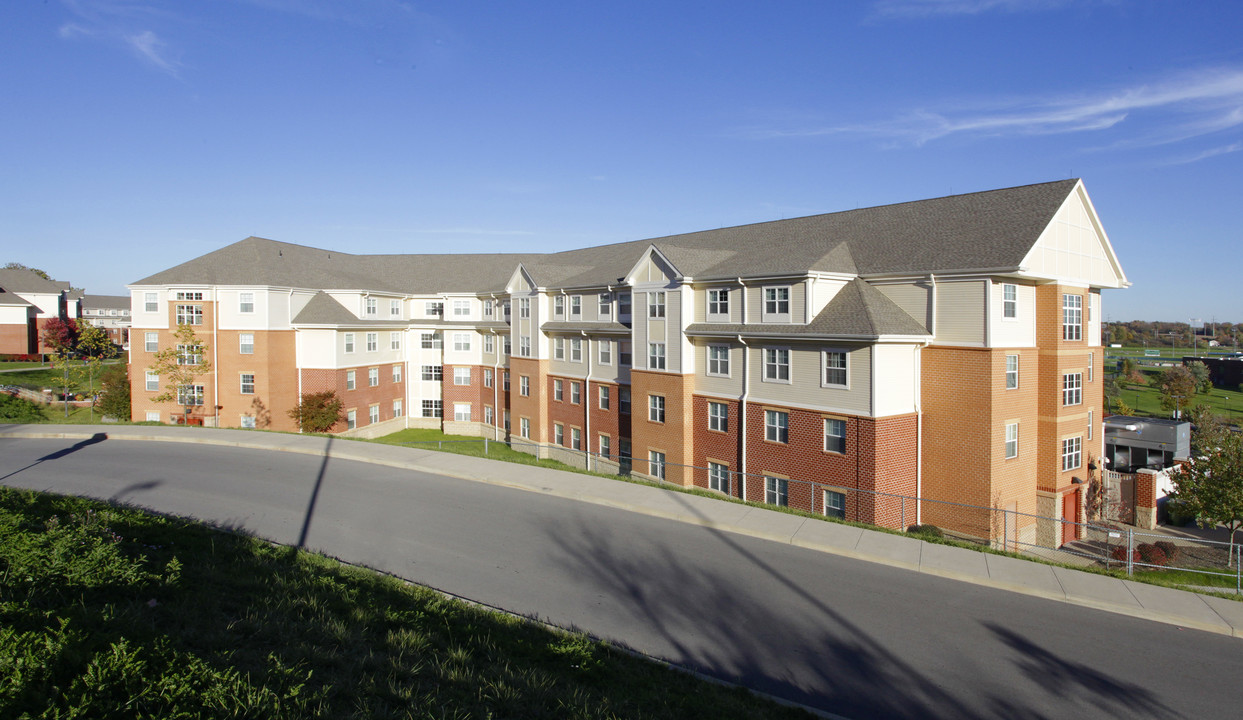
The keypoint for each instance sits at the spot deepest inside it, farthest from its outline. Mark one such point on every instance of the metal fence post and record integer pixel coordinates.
(1130, 551)
(1005, 531)
(485, 445)
(902, 511)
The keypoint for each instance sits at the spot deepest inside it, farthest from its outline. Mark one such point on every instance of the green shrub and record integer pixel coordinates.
(928, 531)
(15, 409)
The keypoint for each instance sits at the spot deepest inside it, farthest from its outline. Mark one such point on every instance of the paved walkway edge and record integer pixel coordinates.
(1150, 602)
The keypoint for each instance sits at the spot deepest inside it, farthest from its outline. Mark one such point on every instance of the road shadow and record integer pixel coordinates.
(63, 452)
(734, 630)
(142, 486)
(310, 507)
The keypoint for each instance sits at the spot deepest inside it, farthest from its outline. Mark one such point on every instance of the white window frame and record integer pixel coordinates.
(1009, 301)
(351, 419)
(718, 416)
(576, 438)
(718, 366)
(489, 415)
(776, 491)
(1012, 372)
(487, 377)
(189, 314)
(461, 412)
(433, 409)
(605, 307)
(461, 342)
(431, 341)
(350, 380)
(624, 305)
(576, 306)
(524, 427)
(829, 373)
(718, 477)
(777, 426)
(1012, 440)
(558, 434)
(151, 302)
(398, 410)
(718, 305)
(348, 339)
(394, 308)
(524, 385)
(151, 342)
(373, 342)
(1072, 317)
(603, 396)
(655, 356)
(656, 464)
(489, 344)
(656, 408)
(835, 432)
(656, 304)
(434, 308)
(371, 307)
(558, 348)
(432, 373)
(373, 414)
(1072, 449)
(524, 307)
(524, 345)
(605, 352)
(558, 308)
(394, 341)
(246, 302)
(558, 389)
(576, 393)
(774, 367)
(461, 376)
(776, 303)
(835, 504)
(461, 308)
(396, 373)
(1072, 389)
(373, 377)
(153, 381)
(605, 444)
(190, 394)
(576, 350)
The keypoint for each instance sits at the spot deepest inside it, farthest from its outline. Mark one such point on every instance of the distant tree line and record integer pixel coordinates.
(1171, 334)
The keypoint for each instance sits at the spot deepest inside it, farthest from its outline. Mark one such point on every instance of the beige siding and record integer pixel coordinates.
(898, 365)
(673, 331)
(710, 384)
(911, 297)
(566, 366)
(755, 302)
(805, 389)
(1073, 248)
(700, 295)
(960, 313)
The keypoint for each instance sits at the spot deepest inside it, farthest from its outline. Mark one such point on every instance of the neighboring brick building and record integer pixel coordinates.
(110, 312)
(946, 348)
(27, 302)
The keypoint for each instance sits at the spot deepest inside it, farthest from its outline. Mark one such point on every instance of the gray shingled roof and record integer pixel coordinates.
(978, 231)
(18, 280)
(9, 299)
(323, 309)
(114, 302)
(610, 328)
(858, 310)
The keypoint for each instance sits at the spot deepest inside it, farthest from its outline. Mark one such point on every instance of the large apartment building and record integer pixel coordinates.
(946, 348)
(28, 301)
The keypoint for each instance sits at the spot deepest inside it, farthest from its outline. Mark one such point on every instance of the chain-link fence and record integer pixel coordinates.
(1185, 557)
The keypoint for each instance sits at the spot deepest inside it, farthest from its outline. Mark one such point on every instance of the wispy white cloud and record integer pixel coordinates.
(931, 8)
(1180, 107)
(1206, 154)
(123, 24)
(154, 50)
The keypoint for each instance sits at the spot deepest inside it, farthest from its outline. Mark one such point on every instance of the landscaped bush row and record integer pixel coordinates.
(10, 357)
(1158, 553)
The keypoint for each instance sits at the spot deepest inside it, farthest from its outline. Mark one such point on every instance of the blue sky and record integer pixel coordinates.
(138, 135)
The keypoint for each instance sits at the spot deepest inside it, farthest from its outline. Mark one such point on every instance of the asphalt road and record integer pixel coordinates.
(853, 638)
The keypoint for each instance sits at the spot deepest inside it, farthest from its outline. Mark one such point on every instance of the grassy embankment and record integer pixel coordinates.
(111, 612)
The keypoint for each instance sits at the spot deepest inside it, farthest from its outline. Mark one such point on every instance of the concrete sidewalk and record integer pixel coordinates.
(1125, 597)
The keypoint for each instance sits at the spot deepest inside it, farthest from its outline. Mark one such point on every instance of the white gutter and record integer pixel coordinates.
(932, 310)
(215, 354)
(742, 401)
(587, 402)
(919, 437)
(497, 415)
(297, 366)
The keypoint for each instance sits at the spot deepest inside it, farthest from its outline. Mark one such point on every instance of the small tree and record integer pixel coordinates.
(1200, 372)
(61, 334)
(1210, 485)
(179, 366)
(93, 349)
(318, 412)
(1177, 386)
(114, 396)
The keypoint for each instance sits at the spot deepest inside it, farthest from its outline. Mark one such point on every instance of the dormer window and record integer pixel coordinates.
(777, 303)
(606, 306)
(372, 306)
(718, 304)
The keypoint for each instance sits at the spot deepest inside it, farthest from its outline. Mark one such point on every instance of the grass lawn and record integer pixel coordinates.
(14, 365)
(111, 612)
(1146, 400)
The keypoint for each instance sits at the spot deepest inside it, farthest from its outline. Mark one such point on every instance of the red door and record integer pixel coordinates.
(1069, 515)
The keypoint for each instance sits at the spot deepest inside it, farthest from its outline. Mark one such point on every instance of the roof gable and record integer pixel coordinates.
(862, 310)
(1074, 248)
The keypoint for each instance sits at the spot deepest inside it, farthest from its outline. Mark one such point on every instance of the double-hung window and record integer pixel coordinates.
(1012, 372)
(576, 307)
(777, 364)
(246, 302)
(461, 342)
(524, 307)
(623, 400)
(394, 341)
(656, 356)
(373, 414)
(434, 309)
(524, 345)
(718, 360)
(461, 376)
(718, 477)
(1071, 453)
(604, 393)
(606, 306)
(524, 385)
(656, 464)
(153, 381)
(430, 341)
(576, 393)
(718, 416)
(718, 304)
(394, 308)
(605, 445)
(656, 408)
(776, 491)
(396, 373)
(835, 368)
(1009, 301)
(524, 427)
(433, 372)
(558, 348)
(371, 307)
(623, 305)
(558, 390)
(1072, 388)
(624, 353)
(835, 435)
(150, 302)
(1072, 317)
(487, 377)
(558, 308)
(349, 380)
(776, 303)
(373, 376)
(433, 408)
(576, 350)
(558, 434)
(606, 352)
(489, 344)
(351, 419)
(461, 412)
(189, 314)
(656, 304)
(373, 342)
(349, 342)
(776, 426)
(1012, 440)
(576, 438)
(461, 308)
(152, 342)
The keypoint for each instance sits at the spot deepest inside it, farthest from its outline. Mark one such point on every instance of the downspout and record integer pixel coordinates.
(587, 403)
(497, 413)
(742, 417)
(919, 437)
(746, 392)
(932, 310)
(297, 364)
(215, 355)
